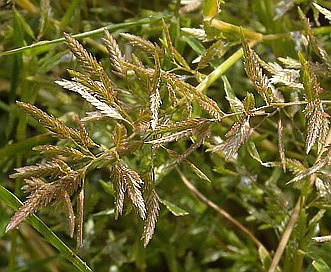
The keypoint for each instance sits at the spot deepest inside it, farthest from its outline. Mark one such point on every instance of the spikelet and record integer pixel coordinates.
(89, 64)
(155, 98)
(49, 169)
(132, 182)
(217, 48)
(115, 54)
(254, 71)
(42, 194)
(287, 77)
(198, 33)
(69, 212)
(128, 181)
(236, 136)
(281, 144)
(318, 49)
(80, 216)
(140, 42)
(50, 122)
(67, 153)
(119, 191)
(84, 92)
(152, 201)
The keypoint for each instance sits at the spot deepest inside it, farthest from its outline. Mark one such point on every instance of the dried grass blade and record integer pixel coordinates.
(70, 213)
(80, 217)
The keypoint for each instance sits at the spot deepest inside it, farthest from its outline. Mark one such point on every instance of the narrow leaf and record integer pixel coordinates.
(174, 209)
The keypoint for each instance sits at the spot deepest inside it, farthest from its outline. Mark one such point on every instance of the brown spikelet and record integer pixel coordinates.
(90, 64)
(152, 207)
(317, 48)
(236, 136)
(155, 98)
(48, 121)
(255, 73)
(140, 42)
(119, 191)
(314, 124)
(80, 216)
(281, 144)
(217, 48)
(68, 153)
(132, 183)
(115, 54)
(170, 46)
(49, 169)
(85, 138)
(42, 194)
(103, 107)
(307, 172)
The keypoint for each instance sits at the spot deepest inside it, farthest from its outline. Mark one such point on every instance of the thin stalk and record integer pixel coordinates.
(220, 211)
(258, 37)
(286, 236)
(91, 33)
(13, 252)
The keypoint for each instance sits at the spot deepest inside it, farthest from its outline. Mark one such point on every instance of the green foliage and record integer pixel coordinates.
(158, 144)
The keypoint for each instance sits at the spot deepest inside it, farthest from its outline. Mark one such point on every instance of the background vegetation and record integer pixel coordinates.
(236, 156)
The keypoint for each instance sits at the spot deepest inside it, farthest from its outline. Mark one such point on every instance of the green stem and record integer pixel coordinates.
(221, 69)
(91, 33)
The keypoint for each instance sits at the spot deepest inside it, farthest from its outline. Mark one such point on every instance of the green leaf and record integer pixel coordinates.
(70, 13)
(174, 209)
(320, 265)
(20, 19)
(230, 95)
(210, 9)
